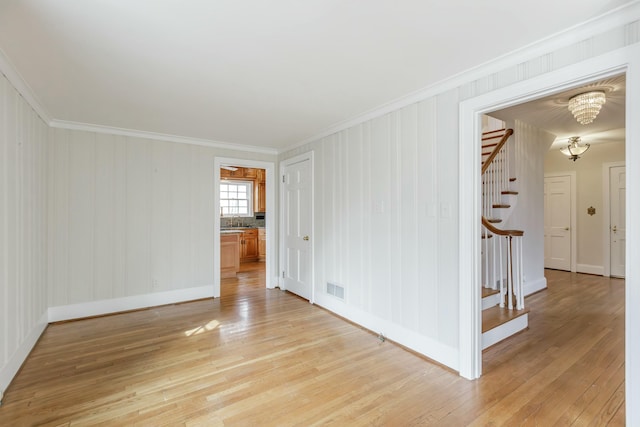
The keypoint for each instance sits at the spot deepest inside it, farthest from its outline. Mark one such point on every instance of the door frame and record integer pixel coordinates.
(283, 164)
(270, 222)
(606, 215)
(620, 61)
(573, 221)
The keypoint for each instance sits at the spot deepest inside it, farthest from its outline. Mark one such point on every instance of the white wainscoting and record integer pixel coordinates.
(23, 229)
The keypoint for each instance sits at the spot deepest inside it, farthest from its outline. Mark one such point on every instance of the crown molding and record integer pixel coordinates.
(11, 73)
(615, 18)
(109, 130)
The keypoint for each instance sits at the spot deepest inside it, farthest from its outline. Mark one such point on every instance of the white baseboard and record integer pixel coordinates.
(535, 286)
(115, 305)
(426, 346)
(590, 269)
(12, 367)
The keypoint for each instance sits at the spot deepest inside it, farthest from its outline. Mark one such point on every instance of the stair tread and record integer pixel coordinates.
(501, 206)
(496, 316)
(512, 179)
(494, 220)
(509, 192)
(487, 292)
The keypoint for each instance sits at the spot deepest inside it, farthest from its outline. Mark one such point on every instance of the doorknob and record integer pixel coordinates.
(305, 238)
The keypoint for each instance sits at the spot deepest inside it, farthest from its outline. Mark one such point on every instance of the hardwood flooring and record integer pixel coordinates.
(258, 357)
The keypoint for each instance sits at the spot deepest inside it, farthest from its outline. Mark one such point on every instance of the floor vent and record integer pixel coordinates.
(335, 290)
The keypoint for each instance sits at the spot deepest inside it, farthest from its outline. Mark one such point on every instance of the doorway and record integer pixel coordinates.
(250, 186)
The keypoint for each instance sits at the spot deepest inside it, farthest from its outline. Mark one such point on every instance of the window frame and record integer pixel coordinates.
(249, 185)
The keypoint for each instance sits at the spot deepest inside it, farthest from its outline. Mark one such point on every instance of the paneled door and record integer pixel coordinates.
(617, 228)
(557, 222)
(297, 227)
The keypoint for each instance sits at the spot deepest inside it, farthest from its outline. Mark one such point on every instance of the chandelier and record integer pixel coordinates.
(586, 106)
(575, 149)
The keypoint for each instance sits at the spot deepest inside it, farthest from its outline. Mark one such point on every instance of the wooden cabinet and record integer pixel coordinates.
(260, 197)
(229, 259)
(249, 245)
(239, 173)
(262, 244)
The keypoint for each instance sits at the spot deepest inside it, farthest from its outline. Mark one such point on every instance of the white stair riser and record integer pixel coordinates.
(490, 301)
(499, 333)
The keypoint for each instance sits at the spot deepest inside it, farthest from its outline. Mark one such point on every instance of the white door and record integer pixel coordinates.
(617, 192)
(297, 228)
(557, 222)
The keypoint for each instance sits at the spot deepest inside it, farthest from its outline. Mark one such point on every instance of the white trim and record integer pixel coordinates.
(270, 222)
(11, 368)
(11, 73)
(534, 286)
(433, 349)
(309, 155)
(598, 270)
(572, 76)
(134, 302)
(632, 274)
(111, 130)
(606, 216)
(625, 59)
(573, 221)
(608, 21)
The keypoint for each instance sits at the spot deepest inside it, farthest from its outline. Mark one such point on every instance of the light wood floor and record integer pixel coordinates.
(260, 357)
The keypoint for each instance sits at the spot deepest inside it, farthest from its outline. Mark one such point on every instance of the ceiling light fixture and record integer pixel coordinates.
(586, 106)
(575, 149)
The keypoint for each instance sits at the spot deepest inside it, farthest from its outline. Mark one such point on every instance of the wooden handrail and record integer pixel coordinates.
(485, 166)
(493, 155)
(500, 232)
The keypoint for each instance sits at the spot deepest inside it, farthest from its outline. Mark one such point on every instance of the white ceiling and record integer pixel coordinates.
(551, 113)
(262, 73)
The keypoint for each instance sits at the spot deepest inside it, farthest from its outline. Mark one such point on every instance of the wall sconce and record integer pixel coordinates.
(575, 148)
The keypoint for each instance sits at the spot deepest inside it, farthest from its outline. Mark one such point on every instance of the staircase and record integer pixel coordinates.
(503, 308)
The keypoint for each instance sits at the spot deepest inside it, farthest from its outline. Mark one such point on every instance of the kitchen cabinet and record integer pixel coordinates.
(239, 173)
(249, 245)
(260, 197)
(262, 244)
(229, 259)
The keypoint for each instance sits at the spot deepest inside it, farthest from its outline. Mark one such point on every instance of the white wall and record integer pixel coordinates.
(588, 171)
(23, 230)
(400, 264)
(132, 222)
(531, 145)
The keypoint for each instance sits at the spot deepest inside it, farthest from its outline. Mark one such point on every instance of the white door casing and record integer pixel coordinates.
(617, 220)
(297, 226)
(557, 222)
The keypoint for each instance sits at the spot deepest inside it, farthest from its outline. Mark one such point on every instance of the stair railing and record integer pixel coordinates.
(503, 261)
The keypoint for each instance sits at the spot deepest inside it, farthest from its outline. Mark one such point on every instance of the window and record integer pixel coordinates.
(236, 198)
